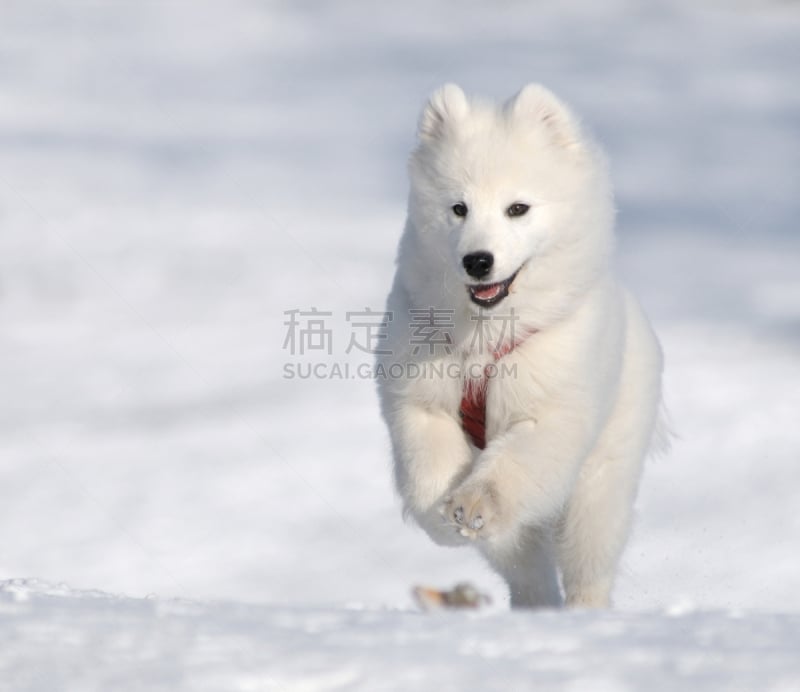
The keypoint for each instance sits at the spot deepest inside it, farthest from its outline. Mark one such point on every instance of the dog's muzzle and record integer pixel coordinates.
(487, 295)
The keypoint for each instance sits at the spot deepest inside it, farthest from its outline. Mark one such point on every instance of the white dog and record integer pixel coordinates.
(521, 383)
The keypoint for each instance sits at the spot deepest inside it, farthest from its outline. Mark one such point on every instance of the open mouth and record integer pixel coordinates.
(487, 295)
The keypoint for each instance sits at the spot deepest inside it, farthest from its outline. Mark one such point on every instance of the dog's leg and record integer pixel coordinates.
(596, 522)
(523, 478)
(529, 568)
(597, 519)
(431, 457)
(595, 529)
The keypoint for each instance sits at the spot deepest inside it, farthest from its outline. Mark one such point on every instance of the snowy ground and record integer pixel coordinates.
(97, 642)
(175, 176)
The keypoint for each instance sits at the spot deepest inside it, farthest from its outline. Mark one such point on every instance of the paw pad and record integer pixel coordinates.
(476, 523)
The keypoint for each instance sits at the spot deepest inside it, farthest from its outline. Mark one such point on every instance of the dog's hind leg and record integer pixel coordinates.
(529, 569)
(596, 522)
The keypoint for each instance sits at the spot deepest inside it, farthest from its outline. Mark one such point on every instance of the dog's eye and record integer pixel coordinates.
(517, 209)
(460, 209)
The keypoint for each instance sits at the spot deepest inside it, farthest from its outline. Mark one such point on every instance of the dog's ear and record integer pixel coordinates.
(536, 102)
(446, 105)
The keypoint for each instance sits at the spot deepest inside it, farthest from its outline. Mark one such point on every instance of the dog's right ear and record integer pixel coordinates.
(445, 106)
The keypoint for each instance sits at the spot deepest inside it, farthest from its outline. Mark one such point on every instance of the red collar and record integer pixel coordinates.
(473, 397)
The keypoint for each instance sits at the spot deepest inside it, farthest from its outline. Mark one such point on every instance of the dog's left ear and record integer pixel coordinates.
(540, 104)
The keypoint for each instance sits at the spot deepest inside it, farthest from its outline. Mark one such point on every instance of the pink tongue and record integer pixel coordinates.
(488, 292)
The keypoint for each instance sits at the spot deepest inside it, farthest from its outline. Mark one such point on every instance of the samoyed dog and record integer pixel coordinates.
(521, 383)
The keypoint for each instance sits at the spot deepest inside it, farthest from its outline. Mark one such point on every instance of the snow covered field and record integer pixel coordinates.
(175, 177)
(95, 642)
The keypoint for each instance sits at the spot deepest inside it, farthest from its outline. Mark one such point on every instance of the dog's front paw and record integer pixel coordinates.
(472, 510)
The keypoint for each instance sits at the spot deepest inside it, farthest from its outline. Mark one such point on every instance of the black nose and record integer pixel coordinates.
(478, 264)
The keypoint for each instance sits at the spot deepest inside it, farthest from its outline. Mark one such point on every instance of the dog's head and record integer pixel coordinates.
(510, 202)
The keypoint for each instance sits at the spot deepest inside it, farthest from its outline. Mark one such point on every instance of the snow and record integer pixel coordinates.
(98, 642)
(177, 176)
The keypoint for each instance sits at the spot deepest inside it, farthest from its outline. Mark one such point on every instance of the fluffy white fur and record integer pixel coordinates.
(567, 435)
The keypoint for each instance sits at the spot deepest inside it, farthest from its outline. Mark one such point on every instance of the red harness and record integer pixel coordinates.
(473, 399)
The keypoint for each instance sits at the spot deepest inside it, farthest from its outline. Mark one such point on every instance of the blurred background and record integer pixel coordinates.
(178, 178)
